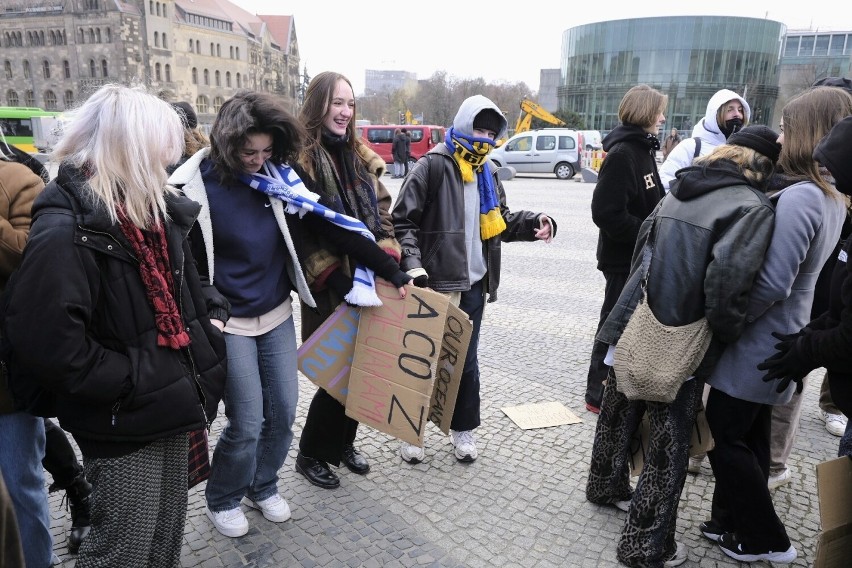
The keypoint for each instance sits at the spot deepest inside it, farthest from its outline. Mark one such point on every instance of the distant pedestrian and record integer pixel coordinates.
(672, 140)
(399, 153)
(407, 150)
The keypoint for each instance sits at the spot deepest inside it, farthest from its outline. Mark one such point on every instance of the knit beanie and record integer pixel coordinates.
(489, 119)
(841, 82)
(759, 138)
(833, 153)
(186, 114)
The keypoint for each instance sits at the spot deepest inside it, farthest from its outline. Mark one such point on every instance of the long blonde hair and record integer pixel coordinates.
(123, 138)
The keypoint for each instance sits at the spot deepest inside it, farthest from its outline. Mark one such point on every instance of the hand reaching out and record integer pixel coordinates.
(545, 230)
(788, 364)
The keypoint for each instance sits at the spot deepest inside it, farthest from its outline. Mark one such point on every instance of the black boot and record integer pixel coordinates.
(78, 498)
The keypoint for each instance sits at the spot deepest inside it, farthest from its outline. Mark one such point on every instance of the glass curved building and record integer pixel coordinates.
(687, 57)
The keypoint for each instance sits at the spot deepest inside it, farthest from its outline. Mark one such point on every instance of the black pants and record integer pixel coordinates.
(59, 460)
(740, 461)
(598, 370)
(466, 414)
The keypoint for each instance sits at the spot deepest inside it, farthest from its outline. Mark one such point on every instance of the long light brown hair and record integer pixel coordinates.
(808, 117)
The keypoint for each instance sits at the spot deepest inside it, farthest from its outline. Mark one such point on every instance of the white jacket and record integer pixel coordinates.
(708, 130)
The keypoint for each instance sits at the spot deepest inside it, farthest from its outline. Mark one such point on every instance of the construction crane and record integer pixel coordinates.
(530, 110)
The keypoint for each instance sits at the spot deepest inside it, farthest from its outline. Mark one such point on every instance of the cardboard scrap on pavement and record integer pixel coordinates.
(540, 415)
(393, 366)
(834, 486)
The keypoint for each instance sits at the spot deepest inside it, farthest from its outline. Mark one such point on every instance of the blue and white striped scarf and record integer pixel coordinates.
(281, 182)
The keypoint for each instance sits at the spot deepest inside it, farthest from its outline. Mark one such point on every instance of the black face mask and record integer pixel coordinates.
(732, 126)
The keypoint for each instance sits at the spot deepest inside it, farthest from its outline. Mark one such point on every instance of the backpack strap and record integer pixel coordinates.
(697, 147)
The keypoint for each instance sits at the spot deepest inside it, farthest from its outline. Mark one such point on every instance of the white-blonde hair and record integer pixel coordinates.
(123, 138)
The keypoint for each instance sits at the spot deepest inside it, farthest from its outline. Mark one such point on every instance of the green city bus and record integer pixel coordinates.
(16, 125)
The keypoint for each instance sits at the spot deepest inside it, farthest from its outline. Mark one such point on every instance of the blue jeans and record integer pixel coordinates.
(21, 451)
(261, 393)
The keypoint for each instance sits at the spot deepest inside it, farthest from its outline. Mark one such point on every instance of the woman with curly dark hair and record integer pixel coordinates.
(244, 247)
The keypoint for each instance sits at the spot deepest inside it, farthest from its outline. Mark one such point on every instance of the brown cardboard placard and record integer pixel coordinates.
(396, 362)
(326, 356)
(540, 415)
(457, 333)
(834, 486)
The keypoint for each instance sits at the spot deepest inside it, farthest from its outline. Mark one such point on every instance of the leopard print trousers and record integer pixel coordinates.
(647, 539)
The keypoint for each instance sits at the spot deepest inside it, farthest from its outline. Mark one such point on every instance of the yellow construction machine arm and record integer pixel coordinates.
(529, 109)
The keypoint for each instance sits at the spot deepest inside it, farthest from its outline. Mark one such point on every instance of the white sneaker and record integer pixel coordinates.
(679, 556)
(231, 523)
(779, 479)
(834, 423)
(695, 464)
(465, 445)
(411, 453)
(274, 508)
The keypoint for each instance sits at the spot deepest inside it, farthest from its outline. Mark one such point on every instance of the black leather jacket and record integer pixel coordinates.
(428, 220)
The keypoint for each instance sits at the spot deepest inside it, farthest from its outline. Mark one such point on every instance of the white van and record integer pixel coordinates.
(548, 150)
(592, 139)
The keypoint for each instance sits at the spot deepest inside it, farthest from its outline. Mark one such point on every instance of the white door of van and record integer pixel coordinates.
(544, 155)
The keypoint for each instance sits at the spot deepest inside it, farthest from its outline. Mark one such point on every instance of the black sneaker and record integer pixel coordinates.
(712, 530)
(732, 547)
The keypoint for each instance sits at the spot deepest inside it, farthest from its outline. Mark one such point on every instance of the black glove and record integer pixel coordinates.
(421, 281)
(788, 364)
(400, 279)
(339, 283)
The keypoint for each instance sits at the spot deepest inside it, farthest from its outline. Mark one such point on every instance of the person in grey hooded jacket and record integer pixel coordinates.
(727, 112)
(450, 218)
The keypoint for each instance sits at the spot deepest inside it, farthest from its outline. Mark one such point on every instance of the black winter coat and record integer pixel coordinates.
(627, 190)
(79, 322)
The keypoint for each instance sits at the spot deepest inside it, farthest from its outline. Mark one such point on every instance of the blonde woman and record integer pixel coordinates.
(107, 311)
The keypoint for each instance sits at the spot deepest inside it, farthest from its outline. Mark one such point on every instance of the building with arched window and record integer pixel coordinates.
(687, 57)
(73, 47)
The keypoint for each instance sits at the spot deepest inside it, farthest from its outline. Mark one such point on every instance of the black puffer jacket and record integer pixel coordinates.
(80, 323)
(428, 219)
(627, 190)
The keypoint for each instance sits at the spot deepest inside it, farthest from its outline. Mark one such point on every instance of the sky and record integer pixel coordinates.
(499, 44)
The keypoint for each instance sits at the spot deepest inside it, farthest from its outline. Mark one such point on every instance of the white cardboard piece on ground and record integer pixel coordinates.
(540, 415)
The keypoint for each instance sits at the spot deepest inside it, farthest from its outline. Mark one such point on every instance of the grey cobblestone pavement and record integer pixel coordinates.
(522, 503)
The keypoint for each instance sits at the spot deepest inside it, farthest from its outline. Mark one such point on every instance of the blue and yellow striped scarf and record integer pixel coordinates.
(471, 154)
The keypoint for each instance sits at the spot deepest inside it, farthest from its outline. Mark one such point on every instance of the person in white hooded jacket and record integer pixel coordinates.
(727, 112)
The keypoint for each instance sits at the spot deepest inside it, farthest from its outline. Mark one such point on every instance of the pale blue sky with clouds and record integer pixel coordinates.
(467, 41)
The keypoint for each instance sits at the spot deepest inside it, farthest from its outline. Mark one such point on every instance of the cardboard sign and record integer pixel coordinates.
(408, 353)
(326, 356)
(701, 441)
(834, 485)
(540, 415)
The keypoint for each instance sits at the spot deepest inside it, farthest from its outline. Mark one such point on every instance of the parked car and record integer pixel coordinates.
(379, 137)
(548, 150)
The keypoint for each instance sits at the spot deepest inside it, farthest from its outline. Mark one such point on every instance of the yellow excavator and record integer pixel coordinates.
(530, 110)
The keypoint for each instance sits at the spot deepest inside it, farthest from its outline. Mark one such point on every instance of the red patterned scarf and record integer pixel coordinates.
(150, 249)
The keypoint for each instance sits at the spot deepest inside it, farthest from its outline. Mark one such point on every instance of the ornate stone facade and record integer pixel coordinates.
(57, 52)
